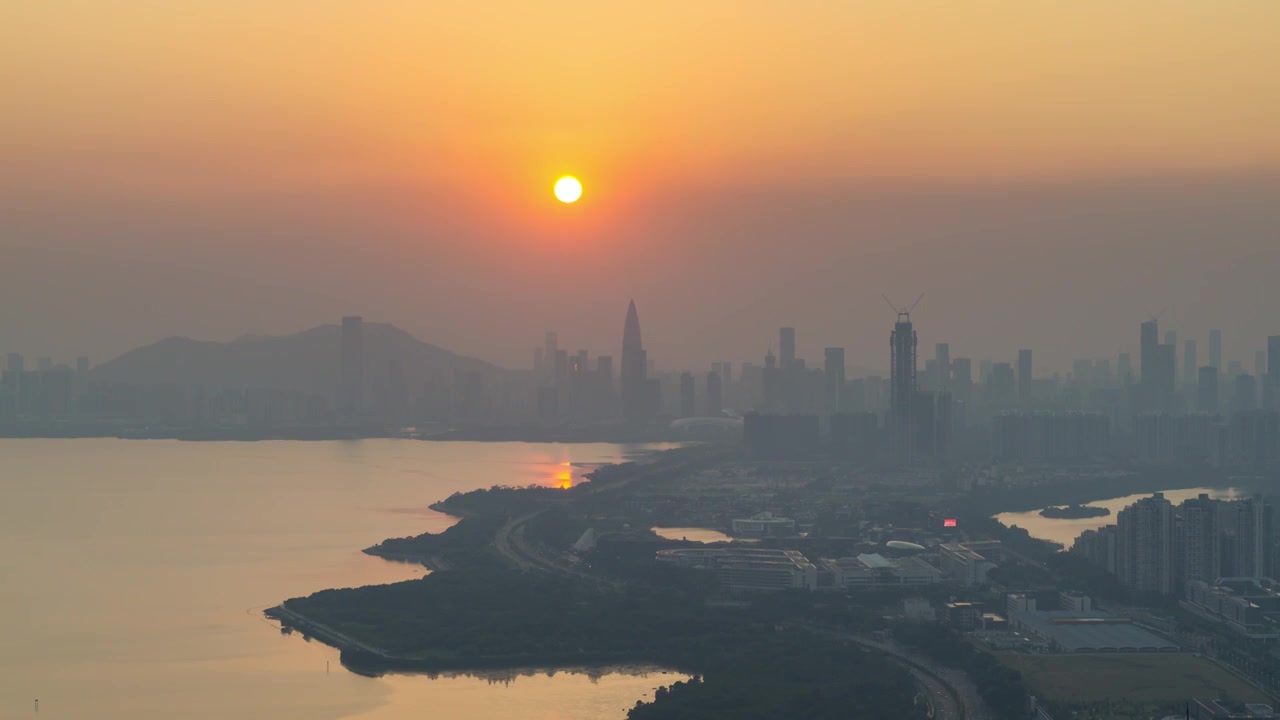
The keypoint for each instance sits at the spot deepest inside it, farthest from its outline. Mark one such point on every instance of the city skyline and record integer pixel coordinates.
(724, 359)
(276, 185)
(1153, 356)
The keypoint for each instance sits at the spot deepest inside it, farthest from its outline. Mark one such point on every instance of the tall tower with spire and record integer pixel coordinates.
(635, 368)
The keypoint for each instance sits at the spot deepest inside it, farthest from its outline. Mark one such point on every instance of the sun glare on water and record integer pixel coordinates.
(568, 189)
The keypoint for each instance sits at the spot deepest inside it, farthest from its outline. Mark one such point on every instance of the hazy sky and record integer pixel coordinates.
(1047, 172)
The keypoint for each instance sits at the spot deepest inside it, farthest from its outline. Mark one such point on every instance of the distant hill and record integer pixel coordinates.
(307, 361)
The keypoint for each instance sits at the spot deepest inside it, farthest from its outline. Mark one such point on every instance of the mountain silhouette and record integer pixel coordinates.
(304, 362)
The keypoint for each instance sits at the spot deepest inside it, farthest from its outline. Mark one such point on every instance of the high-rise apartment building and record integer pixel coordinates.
(1200, 549)
(1248, 523)
(1215, 349)
(1145, 558)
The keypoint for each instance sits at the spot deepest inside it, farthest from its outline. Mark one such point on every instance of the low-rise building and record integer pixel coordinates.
(872, 571)
(964, 565)
(963, 616)
(918, 609)
(748, 569)
(1074, 602)
(1019, 602)
(763, 524)
(1090, 632)
(1249, 606)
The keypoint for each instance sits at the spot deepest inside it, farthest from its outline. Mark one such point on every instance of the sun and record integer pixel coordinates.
(568, 189)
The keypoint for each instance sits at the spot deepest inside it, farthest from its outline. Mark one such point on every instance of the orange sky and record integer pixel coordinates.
(452, 119)
(492, 98)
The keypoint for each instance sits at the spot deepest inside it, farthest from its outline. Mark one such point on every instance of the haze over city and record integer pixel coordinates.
(1047, 178)
(911, 359)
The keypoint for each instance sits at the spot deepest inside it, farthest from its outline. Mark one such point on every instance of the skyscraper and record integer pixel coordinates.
(1260, 364)
(1171, 338)
(1271, 386)
(1207, 390)
(1002, 387)
(1024, 375)
(1189, 366)
(351, 379)
(686, 395)
(962, 379)
(606, 398)
(552, 344)
(1082, 372)
(82, 365)
(1102, 373)
(942, 357)
(787, 348)
(15, 362)
(537, 360)
(1164, 379)
(1215, 349)
(833, 377)
(1124, 368)
(635, 369)
(1246, 393)
(902, 386)
(1149, 341)
(715, 402)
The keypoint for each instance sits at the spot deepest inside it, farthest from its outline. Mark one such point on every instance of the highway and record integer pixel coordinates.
(511, 540)
(949, 691)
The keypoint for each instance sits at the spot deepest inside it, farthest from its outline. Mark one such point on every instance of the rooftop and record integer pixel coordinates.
(1092, 632)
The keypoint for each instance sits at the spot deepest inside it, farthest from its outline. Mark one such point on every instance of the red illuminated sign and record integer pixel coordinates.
(949, 522)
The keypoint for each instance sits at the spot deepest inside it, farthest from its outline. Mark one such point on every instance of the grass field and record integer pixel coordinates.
(1138, 678)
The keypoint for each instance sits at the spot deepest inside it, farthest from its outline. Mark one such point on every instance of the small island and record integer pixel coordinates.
(1074, 512)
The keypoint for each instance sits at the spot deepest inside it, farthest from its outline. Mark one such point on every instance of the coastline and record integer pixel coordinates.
(367, 659)
(364, 659)
(1143, 481)
(621, 435)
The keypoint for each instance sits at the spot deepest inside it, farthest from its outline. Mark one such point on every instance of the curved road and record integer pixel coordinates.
(948, 690)
(512, 543)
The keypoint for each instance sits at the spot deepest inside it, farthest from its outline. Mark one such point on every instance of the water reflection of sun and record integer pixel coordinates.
(564, 476)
